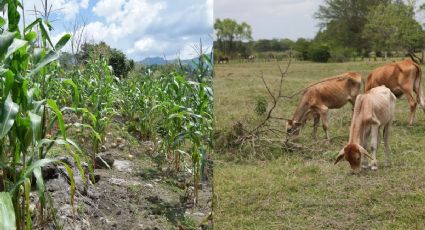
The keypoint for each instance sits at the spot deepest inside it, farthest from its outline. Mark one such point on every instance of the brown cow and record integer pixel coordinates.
(223, 60)
(330, 93)
(373, 110)
(402, 77)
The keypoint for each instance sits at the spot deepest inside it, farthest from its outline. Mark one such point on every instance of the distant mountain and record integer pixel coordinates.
(153, 61)
(162, 61)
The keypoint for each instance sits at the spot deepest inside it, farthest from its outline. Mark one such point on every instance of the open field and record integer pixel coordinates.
(274, 189)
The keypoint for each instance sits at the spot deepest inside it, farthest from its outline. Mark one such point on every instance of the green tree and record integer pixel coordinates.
(118, 61)
(302, 45)
(319, 52)
(262, 45)
(229, 32)
(116, 58)
(342, 21)
(393, 27)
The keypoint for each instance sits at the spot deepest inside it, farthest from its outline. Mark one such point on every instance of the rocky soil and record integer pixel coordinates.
(127, 190)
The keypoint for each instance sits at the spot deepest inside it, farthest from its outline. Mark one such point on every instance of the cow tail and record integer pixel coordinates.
(418, 88)
(365, 83)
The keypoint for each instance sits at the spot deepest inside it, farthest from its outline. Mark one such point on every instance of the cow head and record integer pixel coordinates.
(293, 127)
(353, 154)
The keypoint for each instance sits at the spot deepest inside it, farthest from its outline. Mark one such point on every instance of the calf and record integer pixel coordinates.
(330, 93)
(373, 110)
(402, 77)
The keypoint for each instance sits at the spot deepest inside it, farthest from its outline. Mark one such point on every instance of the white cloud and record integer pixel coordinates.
(145, 28)
(209, 11)
(109, 9)
(148, 46)
(125, 17)
(84, 4)
(70, 9)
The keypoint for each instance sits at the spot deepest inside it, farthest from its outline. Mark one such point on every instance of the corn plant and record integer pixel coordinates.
(26, 116)
(167, 104)
(93, 89)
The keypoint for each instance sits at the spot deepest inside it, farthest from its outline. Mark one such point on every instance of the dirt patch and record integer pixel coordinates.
(133, 194)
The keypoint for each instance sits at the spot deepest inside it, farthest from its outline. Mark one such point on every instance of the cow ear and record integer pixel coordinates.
(340, 156)
(364, 152)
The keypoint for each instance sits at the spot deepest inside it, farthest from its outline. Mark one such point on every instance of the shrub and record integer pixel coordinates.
(341, 54)
(319, 53)
(260, 105)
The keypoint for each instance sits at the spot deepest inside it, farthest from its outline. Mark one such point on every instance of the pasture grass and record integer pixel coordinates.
(275, 189)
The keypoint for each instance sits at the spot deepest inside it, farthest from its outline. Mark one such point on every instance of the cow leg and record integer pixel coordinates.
(374, 146)
(419, 95)
(324, 116)
(365, 160)
(412, 104)
(387, 148)
(316, 120)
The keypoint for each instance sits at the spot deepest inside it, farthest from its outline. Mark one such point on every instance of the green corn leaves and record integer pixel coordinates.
(25, 114)
(52, 104)
(62, 41)
(7, 213)
(6, 40)
(168, 105)
(8, 115)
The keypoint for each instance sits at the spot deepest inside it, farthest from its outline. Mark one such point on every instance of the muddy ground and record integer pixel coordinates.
(134, 193)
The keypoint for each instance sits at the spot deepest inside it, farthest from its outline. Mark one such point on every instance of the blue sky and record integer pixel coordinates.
(140, 28)
(276, 18)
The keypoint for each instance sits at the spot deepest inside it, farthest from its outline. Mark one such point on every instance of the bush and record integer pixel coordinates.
(260, 105)
(342, 54)
(319, 53)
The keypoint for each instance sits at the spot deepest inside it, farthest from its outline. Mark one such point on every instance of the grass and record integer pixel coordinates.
(305, 190)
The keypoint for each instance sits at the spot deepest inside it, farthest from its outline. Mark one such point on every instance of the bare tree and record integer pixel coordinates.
(78, 36)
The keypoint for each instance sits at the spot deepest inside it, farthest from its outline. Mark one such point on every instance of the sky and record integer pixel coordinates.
(275, 18)
(139, 28)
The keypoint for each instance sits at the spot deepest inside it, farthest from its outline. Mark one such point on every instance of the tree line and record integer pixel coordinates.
(347, 29)
(119, 62)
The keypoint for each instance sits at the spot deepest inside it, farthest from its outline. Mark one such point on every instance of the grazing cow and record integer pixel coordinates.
(402, 77)
(251, 58)
(330, 93)
(373, 110)
(223, 60)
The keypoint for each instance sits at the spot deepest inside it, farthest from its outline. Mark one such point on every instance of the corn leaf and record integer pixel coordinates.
(16, 44)
(6, 40)
(40, 184)
(35, 126)
(72, 182)
(52, 104)
(51, 56)
(62, 41)
(7, 213)
(8, 115)
(29, 170)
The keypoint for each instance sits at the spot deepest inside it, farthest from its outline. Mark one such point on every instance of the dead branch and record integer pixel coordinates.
(283, 74)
